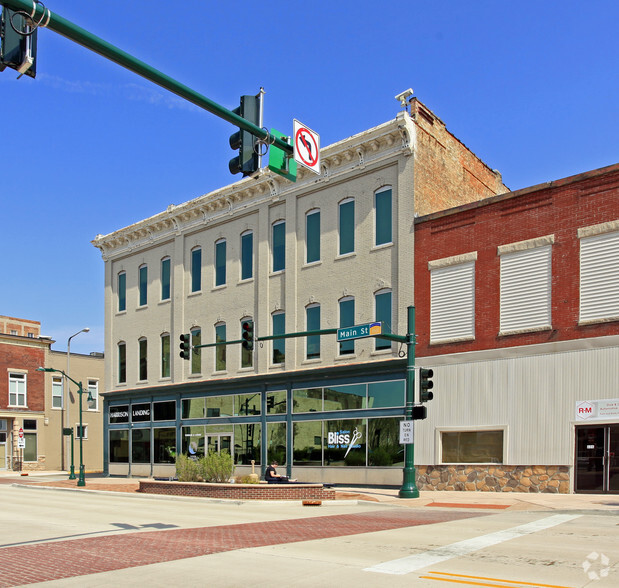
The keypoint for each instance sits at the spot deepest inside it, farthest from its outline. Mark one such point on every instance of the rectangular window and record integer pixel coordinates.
(122, 363)
(279, 246)
(220, 350)
(276, 403)
(140, 445)
(383, 442)
(382, 301)
(164, 410)
(307, 400)
(143, 285)
(312, 236)
(119, 446)
(193, 441)
(122, 292)
(143, 358)
(119, 414)
(345, 442)
(452, 301)
(386, 394)
(165, 356)
(352, 397)
(599, 277)
(164, 444)
(312, 321)
(193, 408)
(526, 281)
(307, 443)
(219, 406)
(276, 443)
(383, 217)
(347, 319)
(196, 356)
(347, 227)
(247, 444)
(247, 256)
(17, 390)
(196, 270)
(57, 391)
(165, 279)
(93, 395)
(220, 263)
(30, 437)
(81, 432)
(472, 447)
(279, 345)
(247, 404)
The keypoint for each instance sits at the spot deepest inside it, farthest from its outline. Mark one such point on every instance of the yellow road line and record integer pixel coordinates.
(453, 576)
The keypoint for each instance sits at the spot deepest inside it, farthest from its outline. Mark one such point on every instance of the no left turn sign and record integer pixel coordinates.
(306, 146)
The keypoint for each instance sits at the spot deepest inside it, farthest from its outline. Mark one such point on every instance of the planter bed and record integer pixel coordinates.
(239, 491)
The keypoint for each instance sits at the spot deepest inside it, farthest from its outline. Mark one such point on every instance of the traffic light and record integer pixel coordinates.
(185, 346)
(248, 160)
(247, 335)
(425, 384)
(18, 42)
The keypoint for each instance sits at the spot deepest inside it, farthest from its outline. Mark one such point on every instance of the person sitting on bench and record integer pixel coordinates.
(272, 477)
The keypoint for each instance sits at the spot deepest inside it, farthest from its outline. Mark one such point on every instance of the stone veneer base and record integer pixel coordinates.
(500, 478)
(239, 491)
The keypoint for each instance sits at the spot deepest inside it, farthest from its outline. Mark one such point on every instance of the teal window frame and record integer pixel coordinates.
(220, 262)
(165, 355)
(143, 285)
(247, 255)
(346, 226)
(166, 290)
(312, 322)
(220, 350)
(312, 236)
(347, 319)
(122, 362)
(279, 345)
(122, 291)
(383, 208)
(196, 269)
(279, 245)
(143, 359)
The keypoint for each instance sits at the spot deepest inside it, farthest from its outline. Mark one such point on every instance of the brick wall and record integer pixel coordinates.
(21, 357)
(239, 491)
(558, 208)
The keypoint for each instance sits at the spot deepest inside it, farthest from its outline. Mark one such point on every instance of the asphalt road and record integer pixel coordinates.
(70, 538)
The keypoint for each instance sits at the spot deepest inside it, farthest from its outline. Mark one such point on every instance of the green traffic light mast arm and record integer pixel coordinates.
(46, 18)
(78, 384)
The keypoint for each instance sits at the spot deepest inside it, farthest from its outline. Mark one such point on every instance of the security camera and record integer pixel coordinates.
(403, 97)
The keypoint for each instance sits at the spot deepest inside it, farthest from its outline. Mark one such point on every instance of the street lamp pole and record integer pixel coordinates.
(66, 417)
(80, 390)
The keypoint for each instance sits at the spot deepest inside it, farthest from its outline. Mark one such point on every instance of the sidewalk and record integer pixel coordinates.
(365, 495)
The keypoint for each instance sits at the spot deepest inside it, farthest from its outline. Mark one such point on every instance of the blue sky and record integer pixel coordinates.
(531, 87)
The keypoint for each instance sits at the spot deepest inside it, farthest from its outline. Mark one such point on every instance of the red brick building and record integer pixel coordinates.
(517, 300)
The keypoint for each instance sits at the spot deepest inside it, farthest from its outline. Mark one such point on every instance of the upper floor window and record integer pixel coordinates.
(220, 262)
(452, 298)
(347, 319)
(165, 279)
(122, 362)
(143, 285)
(599, 274)
(525, 286)
(312, 236)
(279, 246)
(143, 359)
(17, 389)
(122, 291)
(165, 355)
(279, 345)
(347, 226)
(196, 356)
(382, 305)
(196, 269)
(382, 208)
(93, 394)
(220, 350)
(57, 390)
(247, 255)
(312, 323)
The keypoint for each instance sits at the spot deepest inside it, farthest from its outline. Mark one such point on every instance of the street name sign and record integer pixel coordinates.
(359, 331)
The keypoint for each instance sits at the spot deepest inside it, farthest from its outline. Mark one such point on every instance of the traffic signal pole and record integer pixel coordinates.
(47, 19)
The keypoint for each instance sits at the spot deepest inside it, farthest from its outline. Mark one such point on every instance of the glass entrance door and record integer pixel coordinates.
(2, 450)
(597, 459)
(219, 442)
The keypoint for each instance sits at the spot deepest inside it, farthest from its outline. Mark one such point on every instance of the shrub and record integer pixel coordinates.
(246, 480)
(216, 467)
(186, 468)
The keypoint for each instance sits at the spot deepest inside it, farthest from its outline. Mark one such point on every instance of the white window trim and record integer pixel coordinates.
(84, 428)
(18, 372)
(61, 380)
(96, 381)
(470, 429)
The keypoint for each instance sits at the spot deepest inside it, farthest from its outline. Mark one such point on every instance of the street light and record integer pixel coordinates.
(82, 480)
(65, 413)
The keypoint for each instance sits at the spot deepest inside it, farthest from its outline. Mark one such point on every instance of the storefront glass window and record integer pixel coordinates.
(219, 406)
(307, 400)
(247, 443)
(246, 404)
(276, 443)
(164, 411)
(30, 436)
(164, 444)
(192, 441)
(119, 446)
(386, 394)
(307, 443)
(384, 447)
(140, 445)
(193, 408)
(345, 397)
(472, 446)
(345, 442)
(276, 404)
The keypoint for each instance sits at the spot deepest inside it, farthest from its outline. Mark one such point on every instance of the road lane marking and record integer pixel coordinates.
(502, 582)
(412, 563)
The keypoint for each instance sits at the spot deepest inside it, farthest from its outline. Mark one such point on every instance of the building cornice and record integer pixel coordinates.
(369, 148)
